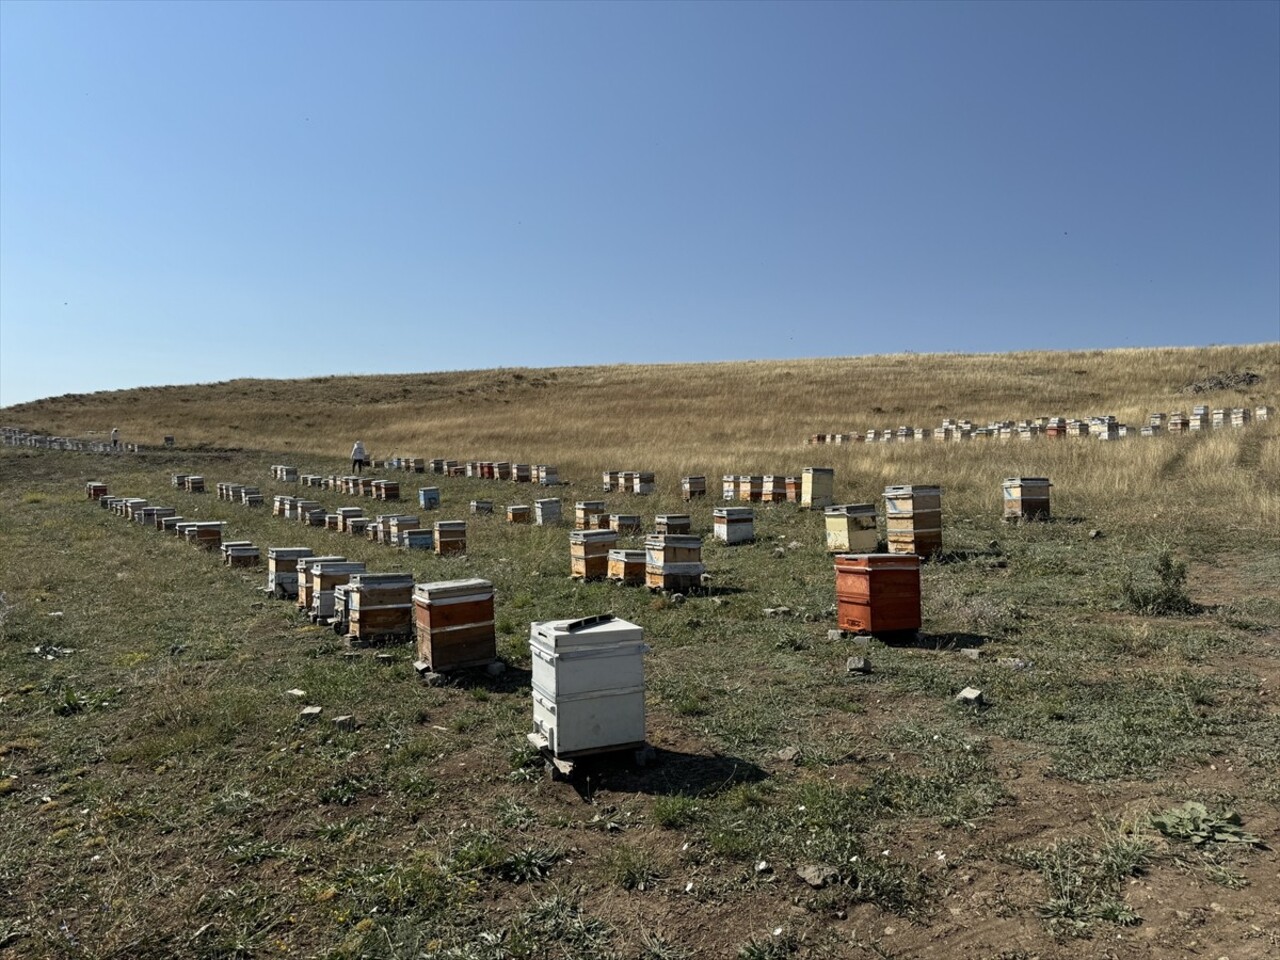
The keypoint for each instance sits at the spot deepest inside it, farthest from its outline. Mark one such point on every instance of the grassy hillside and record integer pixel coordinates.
(161, 796)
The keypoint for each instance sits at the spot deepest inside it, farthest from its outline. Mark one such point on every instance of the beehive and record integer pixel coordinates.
(913, 519)
(415, 465)
(159, 515)
(519, 513)
(451, 537)
(548, 475)
(729, 487)
(793, 486)
(282, 506)
(851, 528)
(397, 526)
(454, 623)
(250, 497)
(387, 490)
(206, 534)
(627, 566)
(282, 570)
(672, 523)
(750, 488)
(109, 502)
(691, 487)
(817, 487)
(643, 483)
(589, 553)
(437, 465)
(357, 526)
(95, 490)
(1241, 416)
(521, 472)
(673, 562)
(878, 592)
(170, 524)
(379, 606)
(195, 484)
(241, 553)
(733, 524)
(1026, 498)
(1262, 413)
(481, 506)
(625, 524)
(305, 589)
(324, 576)
(588, 685)
(609, 481)
(418, 539)
(178, 480)
(773, 488)
(502, 470)
(333, 521)
(546, 512)
(345, 516)
(429, 497)
(584, 512)
(308, 512)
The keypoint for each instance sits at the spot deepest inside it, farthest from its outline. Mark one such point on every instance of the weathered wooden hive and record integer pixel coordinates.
(358, 526)
(178, 480)
(1200, 418)
(282, 506)
(548, 476)
(672, 523)
(400, 524)
(733, 524)
(195, 484)
(454, 623)
(673, 562)
(241, 553)
(643, 483)
(251, 497)
(305, 588)
(851, 528)
(429, 498)
(282, 570)
(750, 488)
(346, 515)
(547, 512)
(625, 524)
(878, 593)
(627, 566)
(437, 465)
(588, 685)
(309, 512)
(418, 539)
(609, 480)
(379, 606)
(1026, 498)
(481, 506)
(773, 488)
(793, 486)
(451, 537)
(387, 490)
(519, 513)
(585, 512)
(502, 470)
(1262, 413)
(521, 472)
(324, 575)
(729, 487)
(589, 553)
(913, 519)
(1221, 418)
(206, 534)
(1241, 416)
(161, 515)
(170, 524)
(691, 487)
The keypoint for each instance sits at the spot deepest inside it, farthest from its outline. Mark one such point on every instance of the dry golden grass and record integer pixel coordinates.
(747, 417)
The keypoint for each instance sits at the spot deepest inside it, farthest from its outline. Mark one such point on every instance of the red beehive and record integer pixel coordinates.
(877, 592)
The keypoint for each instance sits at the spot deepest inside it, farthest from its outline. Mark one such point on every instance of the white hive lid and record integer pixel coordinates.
(597, 631)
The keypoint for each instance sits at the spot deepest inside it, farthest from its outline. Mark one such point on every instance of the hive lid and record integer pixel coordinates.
(907, 489)
(289, 553)
(732, 513)
(335, 566)
(847, 509)
(879, 561)
(1044, 480)
(595, 631)
(381, 579)
(446, 589)
(632, 556)
(659, 540)
(588, 536)
(672, 517)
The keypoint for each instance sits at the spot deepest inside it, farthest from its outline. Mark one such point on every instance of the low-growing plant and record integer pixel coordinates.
(1160, 590)
(1193, 823)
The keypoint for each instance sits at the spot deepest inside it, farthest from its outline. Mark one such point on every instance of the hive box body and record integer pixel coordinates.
(673, 562)
(589, 553)
(672, 523)
(817, 487)
(734, 524)
(454, 621)
(1026, 498)
(380, 605)
(282, 569)
(547, 512)
(913, 519)
(451, 537)
(627, 566)
(588, 684)
(851, 528)
(691, 487)
(877, 592)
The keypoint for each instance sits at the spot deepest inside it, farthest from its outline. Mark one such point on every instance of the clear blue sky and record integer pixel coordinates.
(199, 191)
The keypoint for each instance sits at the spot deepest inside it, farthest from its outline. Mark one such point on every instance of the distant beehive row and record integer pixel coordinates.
(1102, 427)
(627, 481)
(21, 437)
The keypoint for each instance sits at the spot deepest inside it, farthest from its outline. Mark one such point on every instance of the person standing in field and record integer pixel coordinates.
(358, 457)
(115, 438)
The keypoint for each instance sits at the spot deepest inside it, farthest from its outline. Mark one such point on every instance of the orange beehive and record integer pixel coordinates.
(878, 592)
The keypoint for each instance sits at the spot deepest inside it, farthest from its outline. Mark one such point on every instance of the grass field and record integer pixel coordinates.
(161, 797)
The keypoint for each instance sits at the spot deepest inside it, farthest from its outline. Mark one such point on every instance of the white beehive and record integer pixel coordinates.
(588, 684)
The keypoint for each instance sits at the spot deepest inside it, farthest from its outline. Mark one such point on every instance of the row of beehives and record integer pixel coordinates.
(203, 533)
(543, 474)
(1102, 428)
(587, 675)
(20, 437)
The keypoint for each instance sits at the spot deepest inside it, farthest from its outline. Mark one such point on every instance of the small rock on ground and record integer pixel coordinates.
(971, 696)
(789, 754)
(818, 875)
(857, 665)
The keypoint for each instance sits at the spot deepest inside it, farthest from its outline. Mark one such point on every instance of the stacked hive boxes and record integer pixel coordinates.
(450, 537)
(240, 553)
(588, 685)
(589, 553)
(691, 487)
(379, 605)
(429, 497)
(519, 513)
(282, 570)
(672, 523)
(547, 512)
(817, 487)
(913, 519)
(586, 514)
(673, 562)
(324, 575)
(455, 625)
(627, 566)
